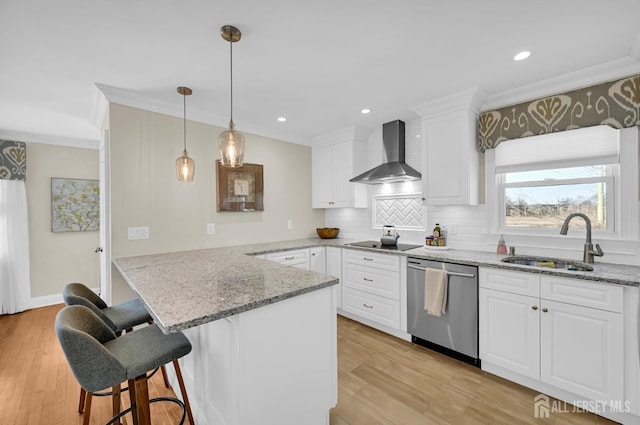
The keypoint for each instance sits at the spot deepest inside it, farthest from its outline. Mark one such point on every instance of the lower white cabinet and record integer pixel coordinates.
(556, 336)
(317, 259)
(371, 286)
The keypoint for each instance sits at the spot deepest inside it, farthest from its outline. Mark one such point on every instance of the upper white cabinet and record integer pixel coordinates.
(450, 155)
(336, 158)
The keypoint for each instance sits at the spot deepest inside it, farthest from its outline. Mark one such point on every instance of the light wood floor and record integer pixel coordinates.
(382, 380)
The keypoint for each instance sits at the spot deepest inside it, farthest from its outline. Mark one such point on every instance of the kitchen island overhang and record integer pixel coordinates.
(263, 334)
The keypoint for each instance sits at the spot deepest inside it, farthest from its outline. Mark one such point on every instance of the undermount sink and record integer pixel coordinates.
(553, 263)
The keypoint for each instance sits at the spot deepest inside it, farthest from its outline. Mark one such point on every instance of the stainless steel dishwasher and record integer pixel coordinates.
(454, 333)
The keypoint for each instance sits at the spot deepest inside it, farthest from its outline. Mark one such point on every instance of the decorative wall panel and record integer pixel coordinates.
(614, 103)
(13, 160)
(402, 211)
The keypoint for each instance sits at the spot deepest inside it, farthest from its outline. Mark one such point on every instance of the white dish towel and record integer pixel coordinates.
(435, 291)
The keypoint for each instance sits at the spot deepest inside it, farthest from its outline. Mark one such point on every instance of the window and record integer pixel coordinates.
(541, 199)
(534, 183)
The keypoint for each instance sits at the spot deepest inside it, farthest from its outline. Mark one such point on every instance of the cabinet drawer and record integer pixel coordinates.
(294, 257)
(514, 282)
(379, 309)
(372, 259)
(375, 281)
(582, 292)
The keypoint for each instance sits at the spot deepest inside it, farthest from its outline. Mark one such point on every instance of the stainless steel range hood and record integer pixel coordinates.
(395, 169)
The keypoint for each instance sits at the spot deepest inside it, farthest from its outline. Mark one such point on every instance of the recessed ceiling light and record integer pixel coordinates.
(282, 119)
(365, 111)
(521, 56)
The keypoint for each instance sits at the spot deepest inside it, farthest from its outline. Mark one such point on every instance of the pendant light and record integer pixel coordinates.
(231, 142)
(185, 166)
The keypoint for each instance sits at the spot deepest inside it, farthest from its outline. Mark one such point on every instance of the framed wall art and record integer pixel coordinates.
(240, 189)
(75, 205)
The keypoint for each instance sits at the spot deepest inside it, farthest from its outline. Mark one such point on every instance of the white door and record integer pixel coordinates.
(582, 350)
(510, 332)
(105, 221)
(334, 268)
(342, 172)
(322, 177)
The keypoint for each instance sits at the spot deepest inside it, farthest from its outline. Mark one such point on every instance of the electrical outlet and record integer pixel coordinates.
(138, 233)
(211, 228)
(452, 229)
(290, 224)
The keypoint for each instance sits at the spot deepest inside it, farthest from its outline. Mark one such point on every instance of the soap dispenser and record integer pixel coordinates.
(502, 246)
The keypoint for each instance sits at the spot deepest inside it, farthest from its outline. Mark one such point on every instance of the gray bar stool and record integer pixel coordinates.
(100, 360)
(120, 318)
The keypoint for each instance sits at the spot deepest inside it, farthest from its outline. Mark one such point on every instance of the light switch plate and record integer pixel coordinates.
(138, 233)
(290, 224)
(211, 228)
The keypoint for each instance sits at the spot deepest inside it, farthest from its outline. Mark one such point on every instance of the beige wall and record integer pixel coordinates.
(145, 192)
(58, 258)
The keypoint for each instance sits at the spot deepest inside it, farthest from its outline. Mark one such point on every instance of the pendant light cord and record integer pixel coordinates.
(231, 73)
(184, 121)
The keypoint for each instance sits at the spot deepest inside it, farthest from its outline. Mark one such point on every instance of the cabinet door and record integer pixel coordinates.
(322, 177)
(334, 268)
(510, 332)
(452, 169)
(342, 160)
(582, 350)
(317, 259)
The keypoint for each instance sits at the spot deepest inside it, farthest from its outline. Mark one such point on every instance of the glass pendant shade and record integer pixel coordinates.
(185, 168)
(231, 144)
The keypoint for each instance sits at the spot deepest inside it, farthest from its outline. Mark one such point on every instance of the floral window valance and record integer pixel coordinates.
(13, 160)
(615, 103)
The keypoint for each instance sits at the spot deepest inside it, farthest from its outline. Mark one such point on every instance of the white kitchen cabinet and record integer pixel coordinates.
(334, 268)
(296, 257)
(566, 333)
(371, 286)
(336, 158)
(509, 331)
(317, 259)
(450, 155)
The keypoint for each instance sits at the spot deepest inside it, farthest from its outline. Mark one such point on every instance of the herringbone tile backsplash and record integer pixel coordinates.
(401, 211)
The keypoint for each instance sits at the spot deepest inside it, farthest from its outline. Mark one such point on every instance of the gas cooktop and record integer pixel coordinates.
(378, 245)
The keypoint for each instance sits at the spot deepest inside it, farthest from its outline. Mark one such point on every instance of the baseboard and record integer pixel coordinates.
(48, 300)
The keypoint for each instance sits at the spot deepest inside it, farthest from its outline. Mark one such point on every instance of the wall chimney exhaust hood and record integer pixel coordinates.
(395, 169)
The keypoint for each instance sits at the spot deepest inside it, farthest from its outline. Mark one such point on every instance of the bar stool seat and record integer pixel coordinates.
(99, 359)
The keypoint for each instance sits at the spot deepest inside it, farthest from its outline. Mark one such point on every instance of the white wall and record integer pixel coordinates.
(58, 258)
(145, 192)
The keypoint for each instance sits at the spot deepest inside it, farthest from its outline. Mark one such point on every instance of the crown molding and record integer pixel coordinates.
(348, 134)
(72, 142)
(147, 103)
(586, 77)
(469, 99)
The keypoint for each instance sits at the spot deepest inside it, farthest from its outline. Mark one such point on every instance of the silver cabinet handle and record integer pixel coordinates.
(367, 259)
(367, 306)
(544, 310)
(289, 258)
(367, 280)
(534, 307)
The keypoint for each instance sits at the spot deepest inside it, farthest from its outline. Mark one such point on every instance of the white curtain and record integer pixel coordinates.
(15, 284)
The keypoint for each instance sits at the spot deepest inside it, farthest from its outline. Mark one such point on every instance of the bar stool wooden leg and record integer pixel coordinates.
(164, 376)
(83, 395)
(183, 390)
(115, 400)
(142, 400)
(133, 401)
(87, 409)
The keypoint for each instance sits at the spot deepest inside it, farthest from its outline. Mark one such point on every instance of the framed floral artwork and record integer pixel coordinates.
(75, 205)
(240, 189)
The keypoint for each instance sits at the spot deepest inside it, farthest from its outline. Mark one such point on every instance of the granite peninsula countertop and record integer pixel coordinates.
(189, 288)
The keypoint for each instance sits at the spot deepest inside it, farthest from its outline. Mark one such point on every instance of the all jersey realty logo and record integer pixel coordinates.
(543, 406)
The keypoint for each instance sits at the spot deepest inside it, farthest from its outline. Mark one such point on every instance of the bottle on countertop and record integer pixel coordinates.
(502, 246)
(437, 231)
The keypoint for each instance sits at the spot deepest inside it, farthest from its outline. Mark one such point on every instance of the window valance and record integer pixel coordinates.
(614, 103)
(13, 160)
